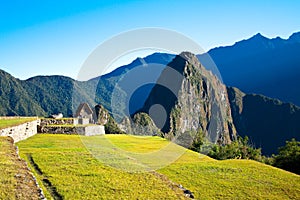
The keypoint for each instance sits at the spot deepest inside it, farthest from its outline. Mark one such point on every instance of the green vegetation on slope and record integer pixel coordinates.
(76, 174)
(42, 95)
(289, 157)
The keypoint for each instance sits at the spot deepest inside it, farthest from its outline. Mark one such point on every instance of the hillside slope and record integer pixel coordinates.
(14, 99)
(67, 163)
(268, 122)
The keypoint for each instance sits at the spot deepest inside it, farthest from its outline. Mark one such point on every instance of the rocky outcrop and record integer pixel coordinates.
(192, 99)
(141, 124)
(102, 114)
(104, 119)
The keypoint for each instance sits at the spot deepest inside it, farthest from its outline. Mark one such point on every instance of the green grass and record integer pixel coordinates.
(9, 122)
(7, 169)
(15, 180)
(66, 161)
(76, 174)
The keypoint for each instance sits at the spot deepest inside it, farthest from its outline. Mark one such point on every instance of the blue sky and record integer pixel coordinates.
(55, 37)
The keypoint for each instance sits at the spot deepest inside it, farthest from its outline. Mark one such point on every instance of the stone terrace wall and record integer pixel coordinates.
(21, 132)
(94, 130)
(63, 121)
(73, 130)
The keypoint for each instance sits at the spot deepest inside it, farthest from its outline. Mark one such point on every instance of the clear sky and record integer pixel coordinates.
(55, 37)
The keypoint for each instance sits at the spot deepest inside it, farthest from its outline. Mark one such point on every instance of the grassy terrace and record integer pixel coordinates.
(66, 163)
(15, 181)
(14, 121)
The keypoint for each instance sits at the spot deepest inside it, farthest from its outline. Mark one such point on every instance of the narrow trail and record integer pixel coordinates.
(46, 182)
(179, 190)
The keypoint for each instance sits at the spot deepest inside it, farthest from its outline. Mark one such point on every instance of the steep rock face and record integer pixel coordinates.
(105, 119)
(141, 124)
(267, 122)
(192, 99)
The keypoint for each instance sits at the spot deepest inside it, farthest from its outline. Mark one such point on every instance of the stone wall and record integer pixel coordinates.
(63, 121)
(73, 130)
(21, 132)
(94, 130)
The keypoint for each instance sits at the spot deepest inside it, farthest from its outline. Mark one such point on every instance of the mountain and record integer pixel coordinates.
(46, 95)
(267, 122)
(14, 98)
(130, 85)
(260, 65)
(42, 95)
(188, 99)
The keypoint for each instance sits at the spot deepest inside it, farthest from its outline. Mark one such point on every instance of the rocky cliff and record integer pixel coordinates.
(187, 99)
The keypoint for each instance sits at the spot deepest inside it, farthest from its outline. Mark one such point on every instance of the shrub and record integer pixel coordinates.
(289, 157)
(238, 149)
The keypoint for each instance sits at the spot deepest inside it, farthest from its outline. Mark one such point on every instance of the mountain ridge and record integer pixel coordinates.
(257, 64)
(45, 95)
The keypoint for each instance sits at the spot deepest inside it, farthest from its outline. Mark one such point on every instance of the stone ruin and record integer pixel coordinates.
(83, 123)
(85, 114)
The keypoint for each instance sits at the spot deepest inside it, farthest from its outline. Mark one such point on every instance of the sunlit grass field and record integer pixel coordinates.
(14, 121)
(121, 167)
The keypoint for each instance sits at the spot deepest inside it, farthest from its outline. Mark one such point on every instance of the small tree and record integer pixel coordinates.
(289, 156)
(198, 141)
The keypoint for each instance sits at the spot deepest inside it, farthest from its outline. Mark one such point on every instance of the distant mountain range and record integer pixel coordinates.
(257, 65)
(260, 65)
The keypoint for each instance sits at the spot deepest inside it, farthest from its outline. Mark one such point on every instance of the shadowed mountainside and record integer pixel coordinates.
(192, 100)
(268, 122)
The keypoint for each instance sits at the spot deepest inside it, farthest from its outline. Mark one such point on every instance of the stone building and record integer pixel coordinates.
(85, 113)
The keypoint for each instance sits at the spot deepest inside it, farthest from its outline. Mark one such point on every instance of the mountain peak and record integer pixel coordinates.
(258, 36)
(189, 57)
(295, 37)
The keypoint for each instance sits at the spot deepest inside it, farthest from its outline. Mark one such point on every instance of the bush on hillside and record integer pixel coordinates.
(238, 149)
(289, 157)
